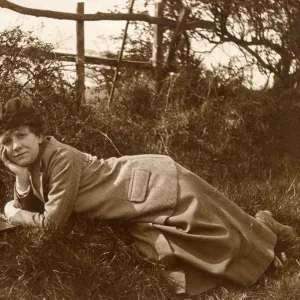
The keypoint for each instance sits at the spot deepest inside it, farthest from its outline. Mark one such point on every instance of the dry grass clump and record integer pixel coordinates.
(90, 261)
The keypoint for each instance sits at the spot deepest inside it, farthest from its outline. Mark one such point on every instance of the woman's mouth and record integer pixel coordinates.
(19, 155)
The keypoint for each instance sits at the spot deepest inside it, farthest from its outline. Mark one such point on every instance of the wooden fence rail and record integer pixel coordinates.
(92, 60)
(111, 62)
(99, 16)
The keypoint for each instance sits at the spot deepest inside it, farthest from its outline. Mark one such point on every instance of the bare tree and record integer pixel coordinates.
(266, 31)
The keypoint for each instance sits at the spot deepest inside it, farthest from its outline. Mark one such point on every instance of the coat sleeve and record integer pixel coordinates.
(28, 202)
(63, 172)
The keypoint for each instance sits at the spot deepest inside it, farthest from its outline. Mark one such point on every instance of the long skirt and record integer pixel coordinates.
(208, 241)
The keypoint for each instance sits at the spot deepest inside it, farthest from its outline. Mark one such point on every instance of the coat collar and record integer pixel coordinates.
(36, 174)
(37, 166)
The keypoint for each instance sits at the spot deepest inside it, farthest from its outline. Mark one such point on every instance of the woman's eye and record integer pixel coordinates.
(21, 135)
(5, 142)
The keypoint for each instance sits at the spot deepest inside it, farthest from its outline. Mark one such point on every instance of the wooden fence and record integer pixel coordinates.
(158, 21)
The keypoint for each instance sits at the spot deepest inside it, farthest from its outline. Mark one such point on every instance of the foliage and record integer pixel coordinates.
(27, 65)
(266, 32)
(210, 122)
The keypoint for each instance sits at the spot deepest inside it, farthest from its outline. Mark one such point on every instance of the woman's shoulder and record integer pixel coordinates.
(56, 150)
(52, 145)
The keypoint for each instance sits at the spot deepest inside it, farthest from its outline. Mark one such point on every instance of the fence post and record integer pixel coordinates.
(157, 51)
(80, 59)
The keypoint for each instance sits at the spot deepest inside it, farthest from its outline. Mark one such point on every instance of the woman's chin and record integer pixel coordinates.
(22, 162)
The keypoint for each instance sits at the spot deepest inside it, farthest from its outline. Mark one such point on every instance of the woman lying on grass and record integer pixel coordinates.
(175, 218)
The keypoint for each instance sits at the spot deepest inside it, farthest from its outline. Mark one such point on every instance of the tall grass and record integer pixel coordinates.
(91, 261)
(94, 260)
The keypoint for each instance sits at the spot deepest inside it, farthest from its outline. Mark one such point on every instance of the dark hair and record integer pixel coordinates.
(37, 130)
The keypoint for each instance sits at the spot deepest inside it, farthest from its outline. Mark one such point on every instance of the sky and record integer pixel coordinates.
(62, 33)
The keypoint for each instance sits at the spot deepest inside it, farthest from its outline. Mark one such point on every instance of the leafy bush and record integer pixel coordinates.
(211, 124)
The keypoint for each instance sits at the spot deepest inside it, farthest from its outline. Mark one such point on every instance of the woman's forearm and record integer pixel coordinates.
(22, 181)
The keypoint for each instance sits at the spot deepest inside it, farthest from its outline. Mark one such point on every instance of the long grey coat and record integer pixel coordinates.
(175, 217)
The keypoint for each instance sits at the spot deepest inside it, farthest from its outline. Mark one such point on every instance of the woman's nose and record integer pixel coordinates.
(16, 144)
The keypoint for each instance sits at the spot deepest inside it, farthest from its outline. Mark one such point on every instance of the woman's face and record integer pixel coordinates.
(22, 146)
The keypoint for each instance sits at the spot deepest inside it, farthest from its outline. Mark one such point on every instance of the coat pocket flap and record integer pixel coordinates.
(138, 185)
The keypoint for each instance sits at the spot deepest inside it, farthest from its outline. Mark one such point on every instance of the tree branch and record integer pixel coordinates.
(99, 16)
(246, 46)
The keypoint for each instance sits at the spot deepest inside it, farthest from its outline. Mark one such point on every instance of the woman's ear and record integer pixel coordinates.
(41, 137)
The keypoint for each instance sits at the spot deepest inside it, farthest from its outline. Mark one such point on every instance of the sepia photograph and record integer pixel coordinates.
(149, 150)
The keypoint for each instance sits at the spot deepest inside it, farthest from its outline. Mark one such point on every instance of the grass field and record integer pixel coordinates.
(92, 260)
